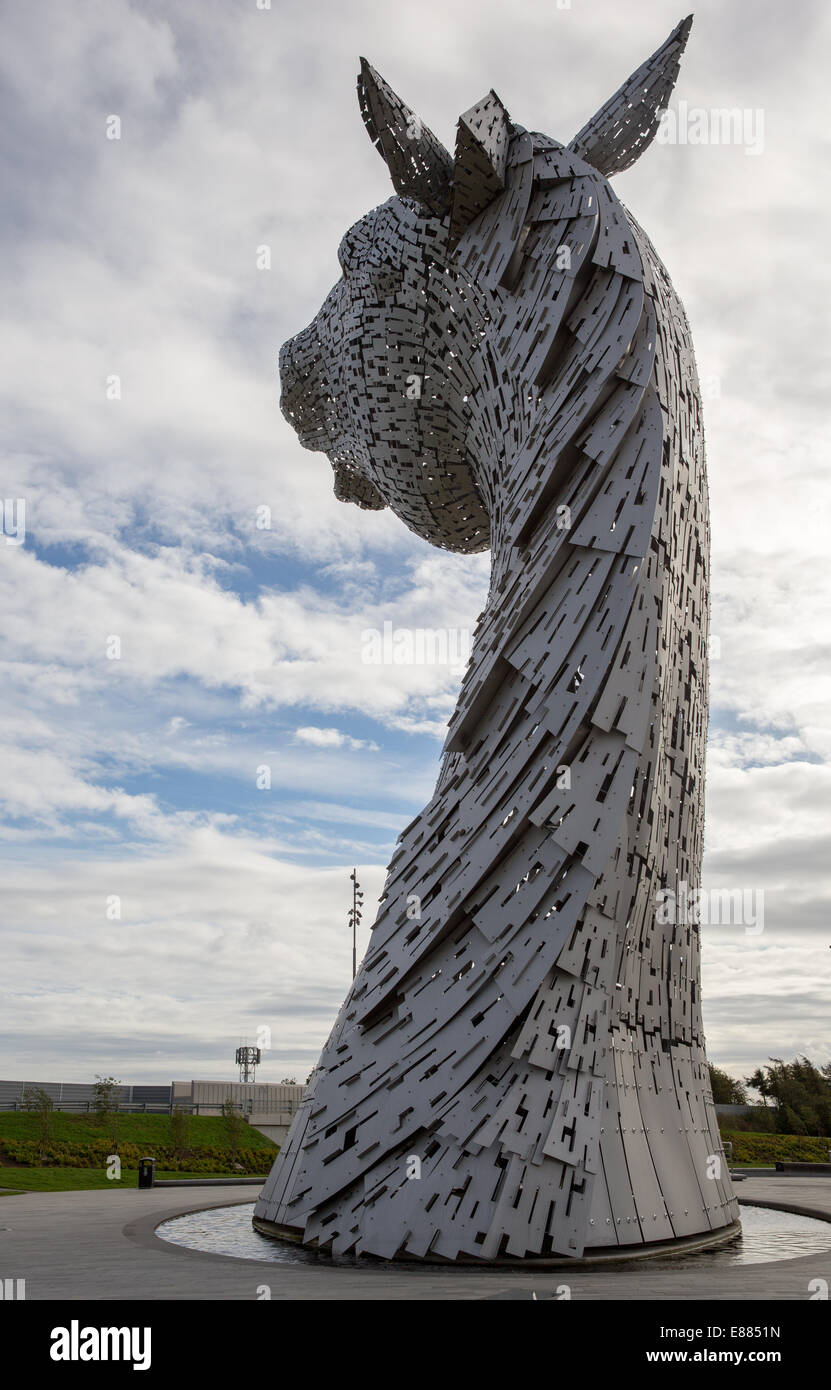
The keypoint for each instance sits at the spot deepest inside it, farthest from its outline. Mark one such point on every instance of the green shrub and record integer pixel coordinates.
(61, 1154)
(775, 1148)
(761, 1120)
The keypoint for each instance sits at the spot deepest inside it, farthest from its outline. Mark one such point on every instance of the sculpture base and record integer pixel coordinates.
(685, 1245)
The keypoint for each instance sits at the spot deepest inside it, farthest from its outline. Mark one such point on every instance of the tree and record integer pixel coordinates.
(726, 1089)
(801, 1094)
(105, 1103)
(39, 1104)
(105, 1096)
(759, 1082)
(234, 1124)
(289, 1081)
(179, 1129)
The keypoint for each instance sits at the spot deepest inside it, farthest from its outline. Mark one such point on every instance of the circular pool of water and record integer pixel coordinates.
(766, 1235)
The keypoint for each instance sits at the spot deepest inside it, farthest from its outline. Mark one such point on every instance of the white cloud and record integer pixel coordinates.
(172, 619)
(331, 738)
(748, 979)
(217, 936)
(137, 257)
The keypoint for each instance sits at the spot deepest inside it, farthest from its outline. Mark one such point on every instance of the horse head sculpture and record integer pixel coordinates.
(519, 1068)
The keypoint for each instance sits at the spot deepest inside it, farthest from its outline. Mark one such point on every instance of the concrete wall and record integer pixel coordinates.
(253, 1097)
(270, 1109)
(275, 1126)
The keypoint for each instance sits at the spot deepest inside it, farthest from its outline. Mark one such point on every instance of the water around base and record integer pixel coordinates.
(766, 1235)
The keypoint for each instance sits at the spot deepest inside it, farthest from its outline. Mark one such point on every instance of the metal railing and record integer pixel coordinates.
(131, 1107)
(85, 1107)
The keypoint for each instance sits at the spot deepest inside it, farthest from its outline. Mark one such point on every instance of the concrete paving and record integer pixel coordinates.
(102, 1245)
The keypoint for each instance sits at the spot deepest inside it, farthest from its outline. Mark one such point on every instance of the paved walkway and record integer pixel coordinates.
(102, 1245)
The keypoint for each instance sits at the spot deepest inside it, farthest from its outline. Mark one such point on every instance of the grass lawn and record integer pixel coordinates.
(204, 1131)
(78, 1179)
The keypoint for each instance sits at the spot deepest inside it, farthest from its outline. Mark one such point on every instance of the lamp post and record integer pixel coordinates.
(355, 917)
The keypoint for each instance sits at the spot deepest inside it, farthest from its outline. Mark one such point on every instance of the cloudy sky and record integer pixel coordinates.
(141, 324)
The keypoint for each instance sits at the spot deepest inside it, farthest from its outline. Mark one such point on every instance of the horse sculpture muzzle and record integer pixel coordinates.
(305, 399)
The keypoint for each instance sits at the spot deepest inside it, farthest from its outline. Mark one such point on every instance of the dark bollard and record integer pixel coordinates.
(146, 1172)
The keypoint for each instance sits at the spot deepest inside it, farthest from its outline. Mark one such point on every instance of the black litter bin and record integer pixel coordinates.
(147, 1172)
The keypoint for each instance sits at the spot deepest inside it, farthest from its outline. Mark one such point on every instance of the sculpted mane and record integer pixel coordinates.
(530, 1034)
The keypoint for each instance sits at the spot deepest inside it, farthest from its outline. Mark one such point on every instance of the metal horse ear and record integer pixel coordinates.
(421, 167)
(621, 130)
(419, 164)
(482, 138)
